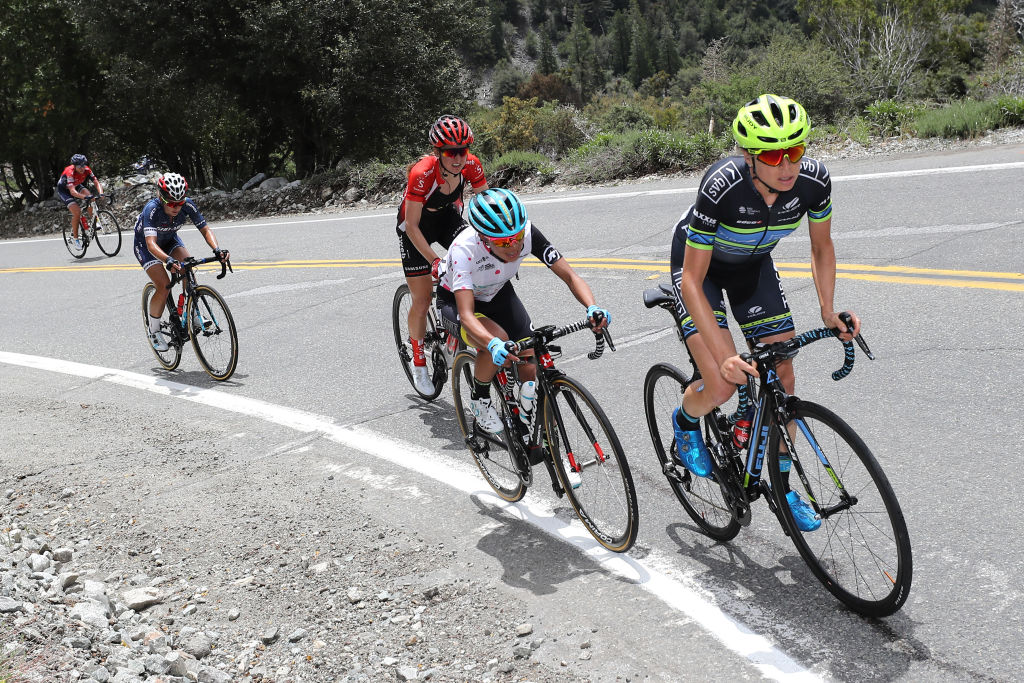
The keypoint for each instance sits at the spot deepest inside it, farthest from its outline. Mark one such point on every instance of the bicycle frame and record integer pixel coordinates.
(176, 311)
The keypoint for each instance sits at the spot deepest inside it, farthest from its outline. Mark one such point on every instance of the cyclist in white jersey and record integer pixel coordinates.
(475, 294)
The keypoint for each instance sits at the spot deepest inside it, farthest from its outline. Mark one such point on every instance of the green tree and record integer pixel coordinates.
(581, 65)
(620, 35)
(641, 46)
(548, 62)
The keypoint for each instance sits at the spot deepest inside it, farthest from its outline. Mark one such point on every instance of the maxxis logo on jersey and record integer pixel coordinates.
(550, 256)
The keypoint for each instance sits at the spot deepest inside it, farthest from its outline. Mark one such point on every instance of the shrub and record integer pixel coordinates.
(516, 168)
(889, 117)
(609, 156)
(548, 88)
(626, 117)
(1011, 110)
(964, 119)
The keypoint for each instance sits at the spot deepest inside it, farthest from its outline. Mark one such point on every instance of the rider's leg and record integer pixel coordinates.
(419, 288)
(76, 218)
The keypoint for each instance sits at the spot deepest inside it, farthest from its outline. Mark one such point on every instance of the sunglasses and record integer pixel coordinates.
(173, 205)
(456, 152)
(773, 157)
(506, 242)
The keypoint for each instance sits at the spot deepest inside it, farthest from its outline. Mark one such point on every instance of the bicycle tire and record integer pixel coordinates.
(492, 452)
(861, 552)
(170, 358)
(213, 333)
(580, 437)
(701, 497)
(83, 238)
(108, 233)
(400, 324)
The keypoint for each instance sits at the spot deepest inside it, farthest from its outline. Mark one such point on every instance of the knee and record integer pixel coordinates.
(718, 391)
(786, 376)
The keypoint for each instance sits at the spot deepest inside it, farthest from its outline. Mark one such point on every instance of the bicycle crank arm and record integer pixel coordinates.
(839, 507)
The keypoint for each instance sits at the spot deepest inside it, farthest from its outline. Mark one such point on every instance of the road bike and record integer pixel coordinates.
(861, 551)
(439, 346)
(200, 315)
(103, 229)
(566, 430)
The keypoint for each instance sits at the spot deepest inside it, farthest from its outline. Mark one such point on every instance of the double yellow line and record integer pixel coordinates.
(936, 277)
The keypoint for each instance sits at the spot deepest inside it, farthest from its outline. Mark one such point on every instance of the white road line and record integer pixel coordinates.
(665, 582)
(273, 289)
(946, 170)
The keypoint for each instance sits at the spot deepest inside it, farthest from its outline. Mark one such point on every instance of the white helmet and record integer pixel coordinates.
(171, 187)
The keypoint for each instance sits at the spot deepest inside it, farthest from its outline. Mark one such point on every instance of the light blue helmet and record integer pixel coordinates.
(497, 213)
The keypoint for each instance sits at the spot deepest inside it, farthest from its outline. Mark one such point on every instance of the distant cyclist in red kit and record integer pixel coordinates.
(431, 211)
(71, 187)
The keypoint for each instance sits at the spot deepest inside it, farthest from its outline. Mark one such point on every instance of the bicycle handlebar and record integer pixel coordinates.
(549, 333)
(192, 262)
(789, 349)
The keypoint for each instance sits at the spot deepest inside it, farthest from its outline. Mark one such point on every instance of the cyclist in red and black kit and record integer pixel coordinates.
(722, 247)
(431, 211)
(71, 187)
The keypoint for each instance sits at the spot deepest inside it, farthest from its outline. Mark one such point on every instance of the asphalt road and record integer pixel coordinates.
(930, 258)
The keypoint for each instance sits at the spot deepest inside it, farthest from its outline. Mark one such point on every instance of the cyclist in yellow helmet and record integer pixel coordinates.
(722, 246)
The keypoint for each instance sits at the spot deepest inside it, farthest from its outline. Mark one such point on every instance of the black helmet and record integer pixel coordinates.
(79, 160)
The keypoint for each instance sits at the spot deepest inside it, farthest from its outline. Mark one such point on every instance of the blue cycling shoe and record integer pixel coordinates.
(803, 514)
(693, 454)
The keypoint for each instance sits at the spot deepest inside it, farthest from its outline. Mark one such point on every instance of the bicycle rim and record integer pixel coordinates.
(580, 439)
(108, 233)
(492, 454)
(400, 324)
(701, 497)
(213, 333)
(170, 358)
(861, 552)
(83, 244)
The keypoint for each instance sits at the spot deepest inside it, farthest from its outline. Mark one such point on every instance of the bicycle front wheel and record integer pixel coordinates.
(590, 463)
(701, 497)
(212, 328)
(400, 324)
(492, 452)
(170, 358)
(76, 248)
(861, 551)
(108, 233)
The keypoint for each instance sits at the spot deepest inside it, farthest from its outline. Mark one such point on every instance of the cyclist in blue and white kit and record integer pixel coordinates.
(475, 290)
(157, 243)
(745, 205)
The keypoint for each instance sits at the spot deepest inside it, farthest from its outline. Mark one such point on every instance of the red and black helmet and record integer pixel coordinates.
(450, 131)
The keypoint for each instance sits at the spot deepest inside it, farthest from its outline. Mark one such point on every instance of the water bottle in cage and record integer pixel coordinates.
(741, 430)
(527, 398)
(181, 303)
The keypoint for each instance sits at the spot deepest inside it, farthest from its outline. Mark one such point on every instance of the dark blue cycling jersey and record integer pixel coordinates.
(731, 218)
(154, 221)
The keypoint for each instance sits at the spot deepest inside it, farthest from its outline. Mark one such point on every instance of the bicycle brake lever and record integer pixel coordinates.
(848, 321)
(608, 339)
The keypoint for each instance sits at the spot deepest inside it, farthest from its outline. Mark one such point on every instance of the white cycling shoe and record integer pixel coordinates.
(486, 416)
(158, 341)
(421, 379)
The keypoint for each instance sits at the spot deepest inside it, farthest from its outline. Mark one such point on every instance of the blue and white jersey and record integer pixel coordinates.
(154, 221)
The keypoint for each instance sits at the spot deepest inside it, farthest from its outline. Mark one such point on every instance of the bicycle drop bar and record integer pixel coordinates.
(788, 349)
(192, 262)
(549, 333)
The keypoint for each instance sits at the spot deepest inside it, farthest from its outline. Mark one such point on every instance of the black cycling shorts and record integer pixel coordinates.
(754, 289)
(505, 308)
(437, 226)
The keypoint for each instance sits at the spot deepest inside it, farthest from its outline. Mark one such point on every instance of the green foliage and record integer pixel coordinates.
(626, 117)
(964, 119)
(514, 168)
(637, 153)
(549, 88)
(1011, 110)
(506, 81)
(521, 125)
(806, 71)
(889, 117)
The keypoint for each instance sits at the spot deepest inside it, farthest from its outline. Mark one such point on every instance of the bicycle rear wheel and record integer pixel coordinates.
(494, 455)
(861, 551)
(701, 497)
(581, 439)
(170, 358)
(108, 233)
(213, 333)
(400, 324)
(76, 249)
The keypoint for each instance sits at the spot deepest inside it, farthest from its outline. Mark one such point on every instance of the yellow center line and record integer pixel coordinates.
(938, 277)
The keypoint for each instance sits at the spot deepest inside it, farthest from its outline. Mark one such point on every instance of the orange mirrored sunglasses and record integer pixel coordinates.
(506, 242)
(773, 157)
(455, 152)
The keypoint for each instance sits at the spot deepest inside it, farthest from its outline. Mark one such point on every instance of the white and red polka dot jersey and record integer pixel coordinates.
(471, 265)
